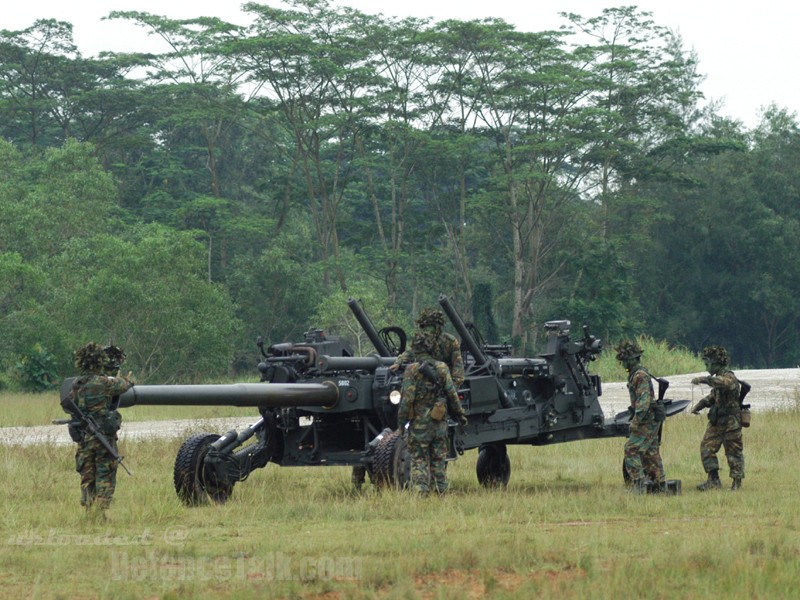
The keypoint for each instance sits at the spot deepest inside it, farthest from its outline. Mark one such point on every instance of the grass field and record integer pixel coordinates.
(564, 528)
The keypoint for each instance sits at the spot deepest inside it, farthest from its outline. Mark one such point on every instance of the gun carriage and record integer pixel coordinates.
(319, 405)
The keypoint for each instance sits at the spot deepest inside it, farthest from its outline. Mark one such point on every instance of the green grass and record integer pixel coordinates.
(564, 528)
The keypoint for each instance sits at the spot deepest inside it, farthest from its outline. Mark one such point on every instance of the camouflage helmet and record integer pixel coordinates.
(115, 356)
(430, 317)
(627, 349)
(715, 355)
(90, 358)
(423, 342)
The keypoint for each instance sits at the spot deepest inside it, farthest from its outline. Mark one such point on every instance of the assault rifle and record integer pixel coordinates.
(660, 402)
(427, 371)
(743, 391)
(87, 422)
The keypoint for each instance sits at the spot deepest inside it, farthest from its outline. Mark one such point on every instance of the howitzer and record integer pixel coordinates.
(319, 405)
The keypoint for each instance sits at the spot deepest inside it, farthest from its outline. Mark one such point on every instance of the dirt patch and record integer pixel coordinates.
(475, 584)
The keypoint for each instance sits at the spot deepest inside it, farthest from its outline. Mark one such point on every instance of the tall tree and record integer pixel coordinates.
(389, 137)
(49, 92)
(310, 60)
(198, 77)
(35, 70)
(527, 96)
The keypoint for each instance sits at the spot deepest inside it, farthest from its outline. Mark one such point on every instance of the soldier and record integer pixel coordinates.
(445, 346)
(93, 393)
(642, 458)
(724, 419)
(428, 396)
(445, 349)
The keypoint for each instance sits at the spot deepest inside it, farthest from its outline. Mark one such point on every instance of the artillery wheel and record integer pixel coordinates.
(196, 482)
(493, 466)
(392, 463)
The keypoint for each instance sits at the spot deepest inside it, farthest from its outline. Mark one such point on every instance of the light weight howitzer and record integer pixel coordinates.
(319, 405)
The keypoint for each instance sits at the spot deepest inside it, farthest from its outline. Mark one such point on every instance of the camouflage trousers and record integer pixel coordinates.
(98, 472)
(726, 433)
(427, 448)
(642, 457)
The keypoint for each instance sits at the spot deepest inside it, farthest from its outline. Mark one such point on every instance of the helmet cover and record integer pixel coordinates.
(627, 349)
(430, 317)
(715, 355)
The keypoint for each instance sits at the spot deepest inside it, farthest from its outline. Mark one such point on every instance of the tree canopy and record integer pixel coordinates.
(249, 180)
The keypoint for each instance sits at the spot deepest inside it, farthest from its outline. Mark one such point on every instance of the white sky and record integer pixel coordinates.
(747, 50)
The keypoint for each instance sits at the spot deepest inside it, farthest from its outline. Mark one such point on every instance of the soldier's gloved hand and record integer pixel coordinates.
(394, 367)
(462, 420)
(696, 410)
(697, 380)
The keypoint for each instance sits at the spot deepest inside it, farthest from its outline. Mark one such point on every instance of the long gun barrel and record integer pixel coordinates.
(482, 361)
(276, 395)
(368, 327)
(466, 337)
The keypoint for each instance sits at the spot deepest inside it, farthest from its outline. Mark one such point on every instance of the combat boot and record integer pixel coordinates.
(358, 476)
(712, 483)
(640, 486)
(737, 484)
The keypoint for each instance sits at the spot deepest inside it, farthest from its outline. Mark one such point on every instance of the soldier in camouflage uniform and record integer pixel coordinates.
(445, 346)
(724, 419)
(93, 392)
(642, 457)
(428, 396)
(445, 349)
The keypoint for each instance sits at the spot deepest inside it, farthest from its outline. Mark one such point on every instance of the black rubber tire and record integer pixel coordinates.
(195, 483)
(493, 467)
(391, 466)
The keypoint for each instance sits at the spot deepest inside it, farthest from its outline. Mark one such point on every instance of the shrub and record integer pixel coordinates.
(36, 370)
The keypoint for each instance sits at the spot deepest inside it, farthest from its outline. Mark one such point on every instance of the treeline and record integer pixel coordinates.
(250, 179)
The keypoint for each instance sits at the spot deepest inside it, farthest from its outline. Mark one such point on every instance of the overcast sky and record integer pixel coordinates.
(747, 50)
